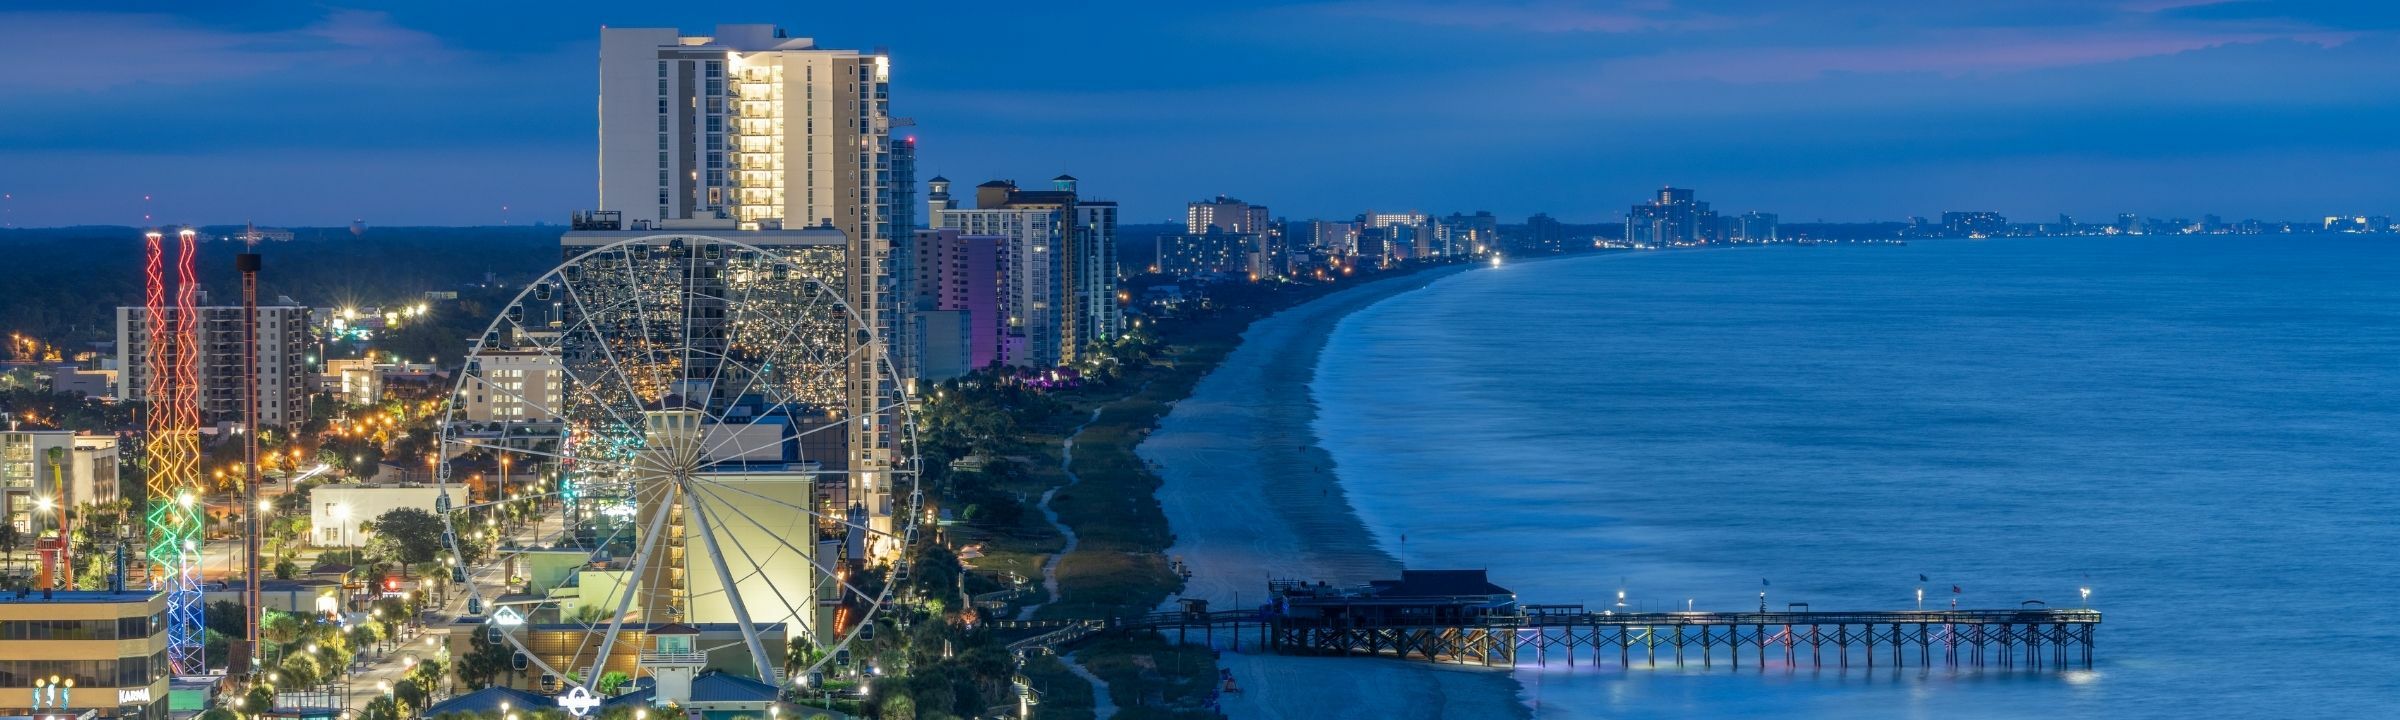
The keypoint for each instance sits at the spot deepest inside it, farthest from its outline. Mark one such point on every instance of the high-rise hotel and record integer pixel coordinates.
(755, 136)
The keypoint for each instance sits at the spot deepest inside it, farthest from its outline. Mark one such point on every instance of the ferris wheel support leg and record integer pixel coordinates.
(625, 592)
(733, 592)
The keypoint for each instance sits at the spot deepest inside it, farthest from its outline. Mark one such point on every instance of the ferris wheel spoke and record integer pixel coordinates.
(690, 308)
(567, 369)
(632, 579)
(780, 344)
(762, 416)
(490, 385)
(733, 321)
(547, 455)
(807, 624)
(491, 503)
(733, 437)
(733, 593)
(809, 555)
(641, 315)
(814, 514)
(585, 319)
(874, 601)
(626, 590)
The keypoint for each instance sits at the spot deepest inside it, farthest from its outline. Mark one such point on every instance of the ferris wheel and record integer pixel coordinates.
(678, 434)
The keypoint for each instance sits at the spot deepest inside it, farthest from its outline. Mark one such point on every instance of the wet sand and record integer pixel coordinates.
(1251, 498)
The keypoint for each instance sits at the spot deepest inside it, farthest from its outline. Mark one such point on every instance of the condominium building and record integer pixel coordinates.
(1215, 252)
(84, 654)
(746, 125)
(1058, 265)
(1226, 215)
(46, 473)
(1544, 233)
(1328, 236)
(1462, 234)
(282, 374)
(1672, 218)
(514, 386)
(954, 303)
(1406, 235)
(1752, 227)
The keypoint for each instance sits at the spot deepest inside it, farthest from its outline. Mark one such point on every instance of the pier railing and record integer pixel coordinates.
(2006, 638)
(2029, 638)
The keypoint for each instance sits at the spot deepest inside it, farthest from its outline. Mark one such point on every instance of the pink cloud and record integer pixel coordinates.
(113, 50)
(1960, 53)
(1545, 17)
(2155, 6)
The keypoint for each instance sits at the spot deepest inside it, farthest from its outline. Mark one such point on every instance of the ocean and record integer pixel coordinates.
(2205, 432)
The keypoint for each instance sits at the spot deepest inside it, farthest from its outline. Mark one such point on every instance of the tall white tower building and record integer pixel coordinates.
(749, 129)
(746, 128)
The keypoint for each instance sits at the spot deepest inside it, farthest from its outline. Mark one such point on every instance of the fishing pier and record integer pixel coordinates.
(1457, 616)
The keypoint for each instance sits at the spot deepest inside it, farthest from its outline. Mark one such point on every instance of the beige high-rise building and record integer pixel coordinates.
(283, 359)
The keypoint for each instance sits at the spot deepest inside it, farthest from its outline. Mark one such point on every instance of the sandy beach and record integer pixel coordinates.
(1251, 497)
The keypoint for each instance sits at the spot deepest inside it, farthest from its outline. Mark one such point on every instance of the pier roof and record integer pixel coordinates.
(1438, 583)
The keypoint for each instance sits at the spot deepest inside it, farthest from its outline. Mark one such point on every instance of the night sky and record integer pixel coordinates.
(443, 113)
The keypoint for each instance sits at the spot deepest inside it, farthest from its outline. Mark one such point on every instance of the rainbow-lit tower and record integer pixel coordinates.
(173, 446)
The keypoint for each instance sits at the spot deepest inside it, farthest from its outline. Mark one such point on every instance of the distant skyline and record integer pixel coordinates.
(293, 113)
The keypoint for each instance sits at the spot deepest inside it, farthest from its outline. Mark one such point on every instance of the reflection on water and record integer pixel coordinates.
(2195, 429)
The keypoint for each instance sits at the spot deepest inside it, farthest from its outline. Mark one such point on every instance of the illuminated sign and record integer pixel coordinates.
(507, 617)
(133, 696)
(578, 702)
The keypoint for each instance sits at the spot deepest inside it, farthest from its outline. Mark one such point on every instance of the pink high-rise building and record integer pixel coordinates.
(955, 288)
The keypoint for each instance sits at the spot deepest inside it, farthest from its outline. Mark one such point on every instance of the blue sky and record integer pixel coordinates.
(447, 113)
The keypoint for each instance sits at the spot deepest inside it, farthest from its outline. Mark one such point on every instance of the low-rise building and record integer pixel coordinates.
(335, 511)
(108, 651)
(45, 472)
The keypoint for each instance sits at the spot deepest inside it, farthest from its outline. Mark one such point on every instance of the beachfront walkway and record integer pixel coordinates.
(1066, 464)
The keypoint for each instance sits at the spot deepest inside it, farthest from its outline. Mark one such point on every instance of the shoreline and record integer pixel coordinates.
(1250, 495)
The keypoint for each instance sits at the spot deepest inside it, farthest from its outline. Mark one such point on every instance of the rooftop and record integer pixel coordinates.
(488, 701)
(1438, 583)
(78, 596)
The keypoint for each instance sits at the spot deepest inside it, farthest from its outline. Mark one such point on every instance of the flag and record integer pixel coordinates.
(1954, 590)
(1762, 582)
(1921, 577)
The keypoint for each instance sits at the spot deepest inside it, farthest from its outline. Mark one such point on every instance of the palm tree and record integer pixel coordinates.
(10, 537)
